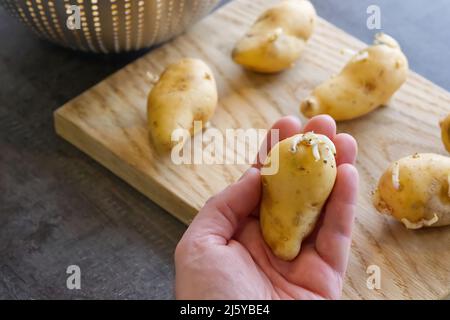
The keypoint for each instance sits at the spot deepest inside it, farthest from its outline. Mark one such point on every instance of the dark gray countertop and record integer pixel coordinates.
(58, 207)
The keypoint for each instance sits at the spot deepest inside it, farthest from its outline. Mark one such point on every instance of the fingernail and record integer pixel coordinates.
(247, 172)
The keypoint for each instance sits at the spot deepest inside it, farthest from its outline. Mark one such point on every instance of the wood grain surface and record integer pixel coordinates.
(108, 122)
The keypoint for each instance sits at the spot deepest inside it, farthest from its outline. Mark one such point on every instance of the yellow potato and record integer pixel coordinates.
(185, 92)
(445, 132)
(368, 81)
(415, 190)
(293, 197)
(277, 38)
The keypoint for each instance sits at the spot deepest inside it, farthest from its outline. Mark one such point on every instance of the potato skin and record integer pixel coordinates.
(445, 132)
(185, 92)
(368, 81)
(421, 194)
(277, 38)
(292, 198)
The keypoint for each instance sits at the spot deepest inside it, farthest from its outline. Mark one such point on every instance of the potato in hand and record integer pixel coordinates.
(185, 92)
(415, 190)
(277, 38)
(368, 81)
(293, 197)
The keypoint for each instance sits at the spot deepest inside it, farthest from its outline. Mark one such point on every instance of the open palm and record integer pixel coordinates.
(222, 255)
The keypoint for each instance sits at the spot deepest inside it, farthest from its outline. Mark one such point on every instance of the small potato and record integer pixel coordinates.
(277, 38)
(293, 197)
(445, 132)
(415, 190)
(185, 92)
(368, 81)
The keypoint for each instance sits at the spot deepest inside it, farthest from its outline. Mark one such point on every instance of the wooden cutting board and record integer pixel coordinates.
(108, 122)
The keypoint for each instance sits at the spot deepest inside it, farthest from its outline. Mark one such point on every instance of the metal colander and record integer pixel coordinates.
(109, 25)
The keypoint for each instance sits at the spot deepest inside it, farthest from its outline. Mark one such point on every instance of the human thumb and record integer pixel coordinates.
(223, 213)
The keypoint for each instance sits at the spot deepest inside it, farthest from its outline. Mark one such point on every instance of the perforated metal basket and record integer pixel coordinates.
(109, 25)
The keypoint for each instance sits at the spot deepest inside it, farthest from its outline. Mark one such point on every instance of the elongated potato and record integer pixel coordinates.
(293, 197)
(415, 190)
(368, 81)
(185, 92)
(277, 38)
(445, 132)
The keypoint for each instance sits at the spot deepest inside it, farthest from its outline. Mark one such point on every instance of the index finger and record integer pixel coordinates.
(287, 127)
(334, 235)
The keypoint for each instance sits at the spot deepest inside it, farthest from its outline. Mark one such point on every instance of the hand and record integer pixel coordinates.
(223, 255)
